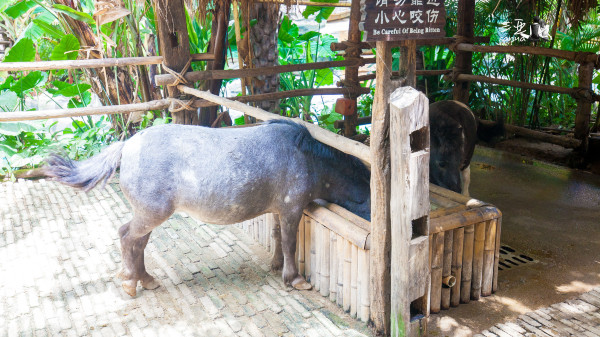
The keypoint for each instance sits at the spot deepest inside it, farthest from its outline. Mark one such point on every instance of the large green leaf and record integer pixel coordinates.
(75, 14)
(7, 150)
(66, 49)
(28, 82)
(19, 8)
(22, 51)
(15, 128)
(8, 100)
(324, 76)
(52, 31)
(323, 13)
(288, 30)
(72, 89)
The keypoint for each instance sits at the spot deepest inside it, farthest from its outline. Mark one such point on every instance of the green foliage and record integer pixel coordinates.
(22, 51)
(322, 13)
(66, 49)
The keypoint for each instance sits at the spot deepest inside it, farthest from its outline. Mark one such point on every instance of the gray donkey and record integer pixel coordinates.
(220, 176)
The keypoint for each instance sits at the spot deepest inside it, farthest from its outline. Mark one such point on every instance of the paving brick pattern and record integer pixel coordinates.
(577, 317)
(59, 252)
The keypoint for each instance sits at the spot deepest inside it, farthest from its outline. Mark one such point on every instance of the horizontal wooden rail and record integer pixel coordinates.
(419, 72)
(579, 57)
(77, 112)
(341, 143)
(361, 121)
(195, 76)
(92, 63)
(535, 86)
(339, 46)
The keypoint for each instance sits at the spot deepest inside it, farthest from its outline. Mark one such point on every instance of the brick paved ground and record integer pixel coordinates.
(59, 252)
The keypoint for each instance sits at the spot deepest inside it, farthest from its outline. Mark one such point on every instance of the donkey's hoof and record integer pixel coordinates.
(121, 274)
(129, 287)
(150, 283)
(301, 284)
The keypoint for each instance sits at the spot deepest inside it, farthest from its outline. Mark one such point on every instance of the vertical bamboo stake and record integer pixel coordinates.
(363, 266)
(332, 266)
(341, 243)
(497, 254)
(447, 267)
(437, 260)
(317, 258)
(467, 272)
(324, 260)
(308, 249)
(457, 259)
(478, 244)
(301, 245)
(314, 262)
(347, 273)
(354, 282)
(488, 258)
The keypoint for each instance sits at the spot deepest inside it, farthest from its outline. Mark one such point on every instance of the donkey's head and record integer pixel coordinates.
(446, 152)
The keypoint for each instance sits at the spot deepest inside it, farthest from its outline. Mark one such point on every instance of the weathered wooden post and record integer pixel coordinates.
(584, 105)
(399, 174)
(174, 46)
(463, 63)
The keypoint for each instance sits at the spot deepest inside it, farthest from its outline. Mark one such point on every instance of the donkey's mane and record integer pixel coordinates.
(306, 143)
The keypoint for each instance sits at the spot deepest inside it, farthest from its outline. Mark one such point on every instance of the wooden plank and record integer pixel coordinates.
(457, 260)
(478, 245)
(467, 271)
(88, 111)
(345, 145)
(418, 267)
(380, 194)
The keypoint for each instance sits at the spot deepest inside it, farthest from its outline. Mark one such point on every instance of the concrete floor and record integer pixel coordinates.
(551, 214)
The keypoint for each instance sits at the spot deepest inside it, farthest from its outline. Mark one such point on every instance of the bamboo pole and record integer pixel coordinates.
(457, 260)
(497, 254)
(338, 224)
(301, 245)
(354, 282)
(468, 217)
(332, 266)
(447, 267)
(316, 262)
(341, 243)
(489, 249)
(347, 275)
(345, 145)
(580, 57)
(194, 76)
(517, 84)
(76, 112)
(363, 267)
(324, 259)
(308, 246)
(437, 260)
(478, 246)
(80, 64)
(467, 272)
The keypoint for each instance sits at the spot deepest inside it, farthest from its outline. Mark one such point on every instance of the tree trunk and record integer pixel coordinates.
(263, 39)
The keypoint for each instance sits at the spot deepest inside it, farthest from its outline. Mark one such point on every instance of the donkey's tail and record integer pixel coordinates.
(85, 174)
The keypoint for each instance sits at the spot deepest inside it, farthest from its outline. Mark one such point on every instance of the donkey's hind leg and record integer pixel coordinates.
(277, 260)
(134, 237)
(289, 229)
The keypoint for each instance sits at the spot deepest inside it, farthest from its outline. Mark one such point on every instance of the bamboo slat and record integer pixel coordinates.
(301, 245)
(489, 248)
(467, 271)
(333, 221)
(447, 267)
(478, 245)
(457, 260)
(347, 275)
(456, 220)
(308, 246)
(497, 254)
(340, 270)
(325, 260)
(363, 266)
(317, 247)
(332, 266)
(354, 281)
(437, 261)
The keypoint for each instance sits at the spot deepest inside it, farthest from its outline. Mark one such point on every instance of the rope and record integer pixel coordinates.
(584, 94)
(457, 40)
(178, 105)
(179, 76)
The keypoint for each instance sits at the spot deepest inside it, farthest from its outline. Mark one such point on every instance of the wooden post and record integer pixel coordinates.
(462, 64)
(409, 204)
(467, 265)
(584, 106)
(380, 193)
(174, 46)
(351, 75)
(408, 62)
